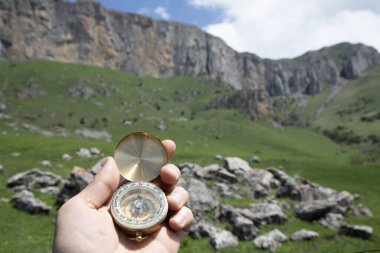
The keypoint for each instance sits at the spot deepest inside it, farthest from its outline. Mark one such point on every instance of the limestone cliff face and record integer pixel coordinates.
(85, 32)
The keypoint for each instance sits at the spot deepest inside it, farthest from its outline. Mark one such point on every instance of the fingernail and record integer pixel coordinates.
(177, 198)
(179, 219)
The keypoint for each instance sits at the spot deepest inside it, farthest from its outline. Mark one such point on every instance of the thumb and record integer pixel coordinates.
(105, 183)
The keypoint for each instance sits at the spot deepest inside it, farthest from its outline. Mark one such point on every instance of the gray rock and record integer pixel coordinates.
(34, 179)
(188, 169)
(66, 157)
(26, 201)
(81, 92)
(271, 240)
(5, 200)
(202, 228)
(224, 190)
(223, 239)
(333, 221)
(255, 159)
(236, 165)
(313, 210)
(95, 151)
(259, 181)
(243, 228)
(219, 157)
(362, 211)
(93, 134)
(201, 199)
(264, 242)
(46, 164)
(3, 107)
(1, 169)
(364, 232)
(289, 187)
(15, 154)
(97, 166)
(267, 213)
(216, 172)
(78, 180)
(304, 234)
(84, 153)
(51, 190)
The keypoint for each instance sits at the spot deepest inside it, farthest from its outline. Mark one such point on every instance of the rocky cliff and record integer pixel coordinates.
(86, 32)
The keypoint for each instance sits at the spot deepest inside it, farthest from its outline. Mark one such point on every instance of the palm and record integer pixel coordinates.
(100, 234)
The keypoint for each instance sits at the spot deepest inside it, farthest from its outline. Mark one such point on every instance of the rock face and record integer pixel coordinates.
(85, 32)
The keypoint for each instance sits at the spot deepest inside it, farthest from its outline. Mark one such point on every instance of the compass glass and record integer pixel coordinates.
(139, 206)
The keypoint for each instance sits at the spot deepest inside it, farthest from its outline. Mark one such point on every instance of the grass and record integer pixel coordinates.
(182, 104)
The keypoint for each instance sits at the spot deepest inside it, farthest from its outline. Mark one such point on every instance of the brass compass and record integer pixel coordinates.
(138, 206)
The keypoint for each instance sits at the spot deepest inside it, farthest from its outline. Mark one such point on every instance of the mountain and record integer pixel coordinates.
(85, 32)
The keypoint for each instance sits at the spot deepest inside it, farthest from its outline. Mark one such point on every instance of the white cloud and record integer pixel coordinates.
(162, 12)
(144, 11)
(278, 28)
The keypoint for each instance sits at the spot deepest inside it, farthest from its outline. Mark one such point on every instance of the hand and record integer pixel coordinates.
(85, 225)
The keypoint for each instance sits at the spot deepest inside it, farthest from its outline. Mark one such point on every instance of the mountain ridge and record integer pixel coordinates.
(86, 32)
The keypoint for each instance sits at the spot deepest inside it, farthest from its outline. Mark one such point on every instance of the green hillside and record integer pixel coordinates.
(62, 98)
(353, 115)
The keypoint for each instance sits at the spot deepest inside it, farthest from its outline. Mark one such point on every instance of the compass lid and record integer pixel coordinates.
(140, 156)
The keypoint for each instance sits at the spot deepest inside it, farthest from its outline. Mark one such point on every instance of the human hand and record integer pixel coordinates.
(84, 223)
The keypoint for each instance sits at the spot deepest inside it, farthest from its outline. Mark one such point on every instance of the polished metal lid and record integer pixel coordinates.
(140, 156)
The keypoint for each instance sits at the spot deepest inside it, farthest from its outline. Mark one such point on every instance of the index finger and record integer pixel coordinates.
(170, 147)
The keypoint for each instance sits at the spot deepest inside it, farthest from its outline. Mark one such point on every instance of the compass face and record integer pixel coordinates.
(139, 206)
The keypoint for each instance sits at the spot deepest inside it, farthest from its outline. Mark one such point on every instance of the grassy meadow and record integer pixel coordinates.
(180, 105)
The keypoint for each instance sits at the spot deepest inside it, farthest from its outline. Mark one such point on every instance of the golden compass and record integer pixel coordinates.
(139, 207)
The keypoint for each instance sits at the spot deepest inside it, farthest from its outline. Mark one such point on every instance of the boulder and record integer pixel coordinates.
(313, 210)
(188, 169)
(201, 199)
(359, 231)
(51, 190)
(224, 190)
(361, 211)
(66, 157)
(97, 166)
(267, 213)
(223, 239)
(332, 221)
(289, 187)
(84, 153)
(46, 164)
(216, 172)
(202, 228)
(259, 181)
(93, 134)
(236, 165)
(33, 179)
(243, 228)
(1, 168)
(271, 240)
(303, 234)
(26, 201)
(255, 159)
(80, 92)
(79, 179)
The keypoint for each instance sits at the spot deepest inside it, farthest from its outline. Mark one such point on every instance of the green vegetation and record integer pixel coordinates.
(180, 104)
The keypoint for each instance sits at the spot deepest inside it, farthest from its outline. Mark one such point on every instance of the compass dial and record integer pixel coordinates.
(139, 207)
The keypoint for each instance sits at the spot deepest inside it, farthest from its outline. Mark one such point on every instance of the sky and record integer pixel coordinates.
(270, 28)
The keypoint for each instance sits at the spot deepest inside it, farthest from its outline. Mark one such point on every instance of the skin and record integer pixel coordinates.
(84, 223)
